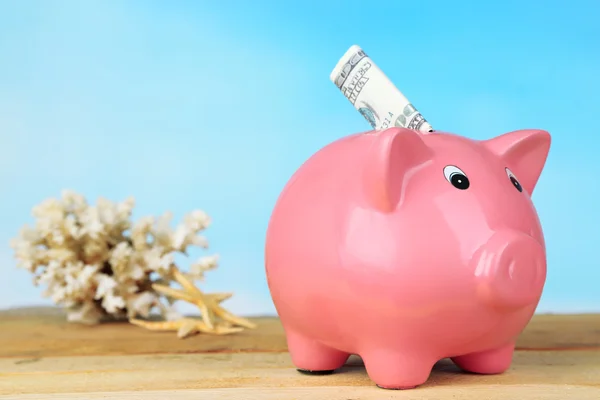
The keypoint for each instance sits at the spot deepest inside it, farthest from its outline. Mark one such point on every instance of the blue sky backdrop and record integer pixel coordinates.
(213, 105)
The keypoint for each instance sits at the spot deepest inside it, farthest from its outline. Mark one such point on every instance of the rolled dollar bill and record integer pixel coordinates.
(373, 94)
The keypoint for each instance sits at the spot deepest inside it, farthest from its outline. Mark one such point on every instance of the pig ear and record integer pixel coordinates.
(524, 152)
(395, 154)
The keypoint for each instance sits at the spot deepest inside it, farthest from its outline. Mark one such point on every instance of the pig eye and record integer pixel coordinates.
(456, 177)
(514, 180)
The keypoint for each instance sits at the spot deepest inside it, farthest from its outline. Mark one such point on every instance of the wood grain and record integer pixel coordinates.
(43, 357)
(484, 392)
(49, 335)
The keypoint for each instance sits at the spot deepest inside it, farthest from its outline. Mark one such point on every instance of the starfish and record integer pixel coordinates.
(207, 303)
(186, 327)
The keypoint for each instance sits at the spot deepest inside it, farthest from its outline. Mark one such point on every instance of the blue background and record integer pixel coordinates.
(213, 105)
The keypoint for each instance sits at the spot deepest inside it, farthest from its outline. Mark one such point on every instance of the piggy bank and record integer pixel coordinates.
(406, 248)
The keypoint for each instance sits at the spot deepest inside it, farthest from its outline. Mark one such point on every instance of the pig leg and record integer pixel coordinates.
(397, 370)
(310, 356)
(493, 361)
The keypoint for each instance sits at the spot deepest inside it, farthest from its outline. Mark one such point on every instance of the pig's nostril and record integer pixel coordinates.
(511, 270)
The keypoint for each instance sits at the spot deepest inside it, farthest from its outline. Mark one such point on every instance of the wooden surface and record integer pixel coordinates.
(43, 357)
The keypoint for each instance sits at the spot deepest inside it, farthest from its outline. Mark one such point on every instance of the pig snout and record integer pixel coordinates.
(510, 269)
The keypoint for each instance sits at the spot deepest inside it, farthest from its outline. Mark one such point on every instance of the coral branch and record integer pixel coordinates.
(98, 264)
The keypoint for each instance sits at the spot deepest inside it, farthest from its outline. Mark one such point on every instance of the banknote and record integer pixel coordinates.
(373, 94)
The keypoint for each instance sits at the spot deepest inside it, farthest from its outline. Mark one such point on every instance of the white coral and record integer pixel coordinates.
(96, 263)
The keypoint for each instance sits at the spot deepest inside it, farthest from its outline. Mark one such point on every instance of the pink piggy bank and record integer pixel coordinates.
(405, 249)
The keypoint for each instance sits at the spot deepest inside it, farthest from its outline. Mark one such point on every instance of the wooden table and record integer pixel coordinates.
(43, 357)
